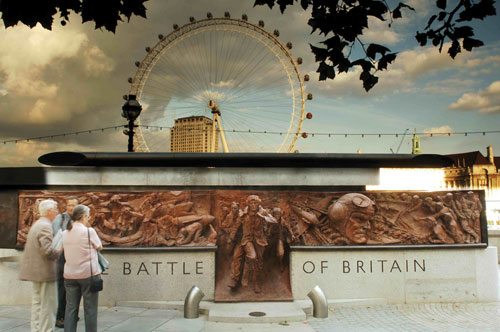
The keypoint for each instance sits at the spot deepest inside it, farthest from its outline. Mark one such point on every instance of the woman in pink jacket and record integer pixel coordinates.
(80, 245)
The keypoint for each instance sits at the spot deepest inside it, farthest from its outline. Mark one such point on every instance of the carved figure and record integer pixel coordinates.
(284, 234)
(443, 221)
(192, 232)
(351, 215)
(252, 245)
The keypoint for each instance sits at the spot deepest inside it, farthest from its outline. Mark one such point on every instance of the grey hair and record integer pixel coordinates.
(78, 212)
(45, 206)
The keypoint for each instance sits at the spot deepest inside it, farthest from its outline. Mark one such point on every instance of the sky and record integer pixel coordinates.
(73, 78)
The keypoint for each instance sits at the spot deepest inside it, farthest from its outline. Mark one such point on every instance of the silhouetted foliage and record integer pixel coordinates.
(342, 23)
(105, 13)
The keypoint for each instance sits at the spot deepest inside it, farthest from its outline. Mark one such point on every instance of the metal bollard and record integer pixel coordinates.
(320, 304)
(192, 303)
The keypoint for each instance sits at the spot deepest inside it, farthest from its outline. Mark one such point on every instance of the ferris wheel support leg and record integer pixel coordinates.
(212, 146)
(222, 136)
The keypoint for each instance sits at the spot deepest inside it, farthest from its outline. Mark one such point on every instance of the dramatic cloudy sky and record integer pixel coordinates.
(73, 78)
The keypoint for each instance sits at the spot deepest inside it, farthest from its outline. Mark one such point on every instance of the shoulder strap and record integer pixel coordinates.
(90, 252)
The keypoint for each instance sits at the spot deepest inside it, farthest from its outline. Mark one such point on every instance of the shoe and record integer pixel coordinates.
(60, 323)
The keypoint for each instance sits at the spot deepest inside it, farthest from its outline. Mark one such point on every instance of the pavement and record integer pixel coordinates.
(428, 317)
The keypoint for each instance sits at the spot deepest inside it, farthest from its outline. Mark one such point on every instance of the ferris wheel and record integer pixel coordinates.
(219, 84)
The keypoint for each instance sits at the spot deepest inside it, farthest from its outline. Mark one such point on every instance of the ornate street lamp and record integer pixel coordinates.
(131, 111)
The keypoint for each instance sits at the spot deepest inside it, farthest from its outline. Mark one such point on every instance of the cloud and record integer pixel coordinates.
(484, 101)
(449, 86)
(446, 129)
(229, 83)
(96, 62)
(379, 32)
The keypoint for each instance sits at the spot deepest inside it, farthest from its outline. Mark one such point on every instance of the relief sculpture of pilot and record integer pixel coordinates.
(350, 215)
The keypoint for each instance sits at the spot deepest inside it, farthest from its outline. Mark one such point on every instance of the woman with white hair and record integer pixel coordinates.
(80, 245)
(39, 266)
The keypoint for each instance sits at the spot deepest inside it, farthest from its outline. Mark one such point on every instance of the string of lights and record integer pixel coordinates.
(74, 133)
(250, 131)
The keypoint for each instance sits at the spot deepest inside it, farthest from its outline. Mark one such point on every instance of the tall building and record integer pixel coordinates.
(471, 170)
(193, 134)
(415, 149)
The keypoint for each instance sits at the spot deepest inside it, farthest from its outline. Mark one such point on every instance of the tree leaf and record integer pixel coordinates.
(385, 60)
(469, 43)
(396, 13)
(373, 49)
(454, 49)
(270, 3)
(366, 65)
(323, 71)
(441, 4)
(478, 11)
(464, 31)
(130, 7)
(304, 4)
(283, 4)
(433, 17)
(421, 38)
(320, 53)
(375, 8)
(343, 65)
(368, 79)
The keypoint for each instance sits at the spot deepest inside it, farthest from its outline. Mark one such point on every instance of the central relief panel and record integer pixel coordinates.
(253, 230)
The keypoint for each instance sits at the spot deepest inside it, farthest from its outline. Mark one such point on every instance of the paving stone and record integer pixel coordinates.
(10, 323)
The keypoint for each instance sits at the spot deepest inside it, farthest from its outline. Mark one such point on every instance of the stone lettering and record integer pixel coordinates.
(382, 261)
(142, 270)
(346, 268)
(395, 265)
(156, 263)
(184, 268)
(199, 267)
(126, 268)
(311, 269)
(323, 266)
(360, 266)
(172, 266)
(422, 267)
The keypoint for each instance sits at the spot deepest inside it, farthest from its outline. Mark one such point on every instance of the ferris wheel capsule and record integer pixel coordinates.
(309, 115)
(160, 36)
(309, 96)
(176, 26)
(304, 135)
(299, 61)
(227, 14)
(306, 78)
(137, 63)
(191, 19)
(261, 23)
(130, 79)
(148, 49)
(289, 45)
(276, 33)
(125, 97)
(244, 17)
(209, 15)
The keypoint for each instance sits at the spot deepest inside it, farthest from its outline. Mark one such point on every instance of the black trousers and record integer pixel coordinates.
(61, 290)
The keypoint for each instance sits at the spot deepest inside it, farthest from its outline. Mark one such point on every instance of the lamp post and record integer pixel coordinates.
(131, 111)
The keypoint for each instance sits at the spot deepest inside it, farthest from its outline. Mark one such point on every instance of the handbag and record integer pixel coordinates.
(96, 283)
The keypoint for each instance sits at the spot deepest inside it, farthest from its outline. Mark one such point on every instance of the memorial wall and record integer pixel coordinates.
(253, 232)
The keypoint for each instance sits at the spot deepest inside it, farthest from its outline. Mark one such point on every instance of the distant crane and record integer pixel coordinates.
(400, 143)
